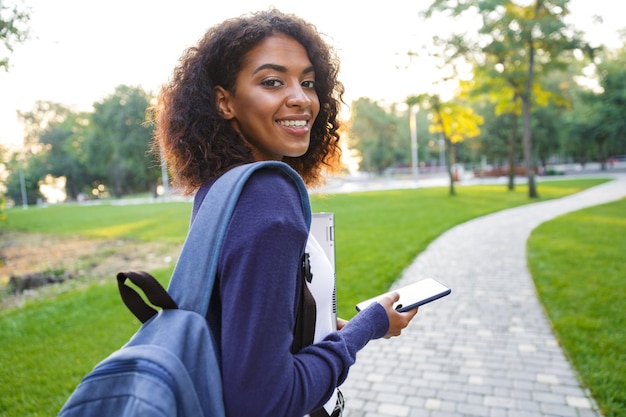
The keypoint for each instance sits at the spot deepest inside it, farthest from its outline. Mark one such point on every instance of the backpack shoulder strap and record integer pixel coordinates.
(192, 281)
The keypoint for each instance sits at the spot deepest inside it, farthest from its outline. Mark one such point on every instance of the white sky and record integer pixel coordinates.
(81, 50)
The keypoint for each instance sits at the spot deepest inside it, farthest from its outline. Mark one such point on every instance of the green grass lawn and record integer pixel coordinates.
(578, 262)
(158, 221)
(49, 345)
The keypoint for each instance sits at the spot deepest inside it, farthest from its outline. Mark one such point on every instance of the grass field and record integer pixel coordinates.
(578, 264)
(49, 345)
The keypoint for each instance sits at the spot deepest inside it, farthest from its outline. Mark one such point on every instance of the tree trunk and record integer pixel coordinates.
(528, 141)
(528, 152)
(449, 162)
(512, 141)
(604, 156)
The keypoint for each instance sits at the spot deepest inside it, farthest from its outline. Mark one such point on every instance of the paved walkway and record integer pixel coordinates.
(487, 349)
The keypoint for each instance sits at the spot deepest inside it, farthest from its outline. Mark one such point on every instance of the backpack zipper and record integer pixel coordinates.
(134, 365)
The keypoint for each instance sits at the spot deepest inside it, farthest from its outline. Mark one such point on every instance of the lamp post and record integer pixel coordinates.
(164, 177)
(21, 159)
(23, 188)
(414, 150)
(442, 152)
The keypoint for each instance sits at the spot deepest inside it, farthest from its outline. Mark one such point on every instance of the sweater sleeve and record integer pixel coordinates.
(259, 282)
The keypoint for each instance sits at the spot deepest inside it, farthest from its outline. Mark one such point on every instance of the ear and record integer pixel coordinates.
(222, 102)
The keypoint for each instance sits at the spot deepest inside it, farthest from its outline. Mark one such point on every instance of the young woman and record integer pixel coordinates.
(264, 87)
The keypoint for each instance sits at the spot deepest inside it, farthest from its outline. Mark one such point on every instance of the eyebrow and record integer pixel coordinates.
(280, 68)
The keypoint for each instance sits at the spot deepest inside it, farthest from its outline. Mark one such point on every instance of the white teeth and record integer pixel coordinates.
(294, 123)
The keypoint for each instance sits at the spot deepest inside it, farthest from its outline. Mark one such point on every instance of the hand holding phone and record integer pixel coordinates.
(413, 295)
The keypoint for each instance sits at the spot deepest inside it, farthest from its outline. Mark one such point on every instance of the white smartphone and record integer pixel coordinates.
(413, 295)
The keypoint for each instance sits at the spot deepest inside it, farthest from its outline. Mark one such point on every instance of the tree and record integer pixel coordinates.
(522, 42)
(499, 138)
(13, 30)
(3, 200)
(610, 105)
(64, 154)
(107, 147)
(381, 137)
(118, 142)
(53, 142)
(3, 204)
(488, 83)
(454, 121)
(25, 169)
(596, 128)
(548, 132)
(27, 166)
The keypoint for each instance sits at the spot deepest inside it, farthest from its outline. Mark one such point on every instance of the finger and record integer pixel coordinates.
(389, 299)
(409, 314)
(341, 323)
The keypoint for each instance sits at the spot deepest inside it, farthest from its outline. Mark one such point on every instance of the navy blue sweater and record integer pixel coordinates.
(253, 313)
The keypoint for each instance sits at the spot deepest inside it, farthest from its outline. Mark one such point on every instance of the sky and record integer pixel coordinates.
(80, 51)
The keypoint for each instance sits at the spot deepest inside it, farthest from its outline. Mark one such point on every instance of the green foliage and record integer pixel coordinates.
(107, 149)
(31, 173)
(53, 134)
(570, 122)
(607, 126)
(3, 200)
(548, 134)
(495, 137)
(54, 137)
(381, 136)
(516, 46)
(48, 346)
(65, 156)
(455, 121)
(118, 143)
(3, 205)
(577, 262)
(43, 115)
(13, 29)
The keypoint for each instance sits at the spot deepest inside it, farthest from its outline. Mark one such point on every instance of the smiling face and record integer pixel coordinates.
(273, 104)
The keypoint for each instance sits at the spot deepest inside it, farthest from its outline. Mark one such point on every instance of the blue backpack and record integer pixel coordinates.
(170, 366)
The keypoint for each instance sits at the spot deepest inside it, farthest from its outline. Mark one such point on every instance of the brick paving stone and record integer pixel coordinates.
(486, 350)
(578, 402)
(520, 413)
(587, 413)
(394, 410)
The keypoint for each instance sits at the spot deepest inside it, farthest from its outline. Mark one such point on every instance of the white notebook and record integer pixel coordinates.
(323, 229)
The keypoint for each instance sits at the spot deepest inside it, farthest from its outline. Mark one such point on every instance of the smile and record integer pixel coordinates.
(293, 123)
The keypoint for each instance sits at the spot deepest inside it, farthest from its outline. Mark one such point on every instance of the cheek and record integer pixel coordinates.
(315, 105)
(316, 111)
(263, 105)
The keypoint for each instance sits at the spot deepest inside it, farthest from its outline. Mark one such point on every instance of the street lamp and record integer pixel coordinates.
(23, 188)
(413, 127)
(164, 177)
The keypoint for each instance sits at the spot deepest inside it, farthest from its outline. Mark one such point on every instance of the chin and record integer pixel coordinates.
(297, 154)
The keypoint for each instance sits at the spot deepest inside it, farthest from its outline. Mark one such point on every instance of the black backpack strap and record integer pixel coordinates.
(304, 332)
(319, 413)
(153, 290)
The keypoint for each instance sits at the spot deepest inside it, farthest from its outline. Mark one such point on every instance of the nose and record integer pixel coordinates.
(298, 97)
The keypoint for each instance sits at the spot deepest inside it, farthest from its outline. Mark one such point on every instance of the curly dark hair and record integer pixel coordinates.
(197, 143)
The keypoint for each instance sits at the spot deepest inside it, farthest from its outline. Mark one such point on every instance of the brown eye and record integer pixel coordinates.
(272, 83)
